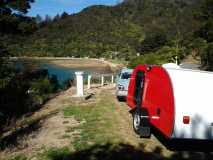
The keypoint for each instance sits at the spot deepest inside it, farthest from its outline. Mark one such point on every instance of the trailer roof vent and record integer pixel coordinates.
(171, 65)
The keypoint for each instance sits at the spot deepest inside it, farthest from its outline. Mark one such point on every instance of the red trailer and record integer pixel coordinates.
(178, 102)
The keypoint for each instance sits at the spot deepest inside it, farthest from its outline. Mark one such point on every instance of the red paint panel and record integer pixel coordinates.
(157, 97)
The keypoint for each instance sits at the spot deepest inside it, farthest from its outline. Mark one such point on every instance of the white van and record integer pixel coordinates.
(123, 83)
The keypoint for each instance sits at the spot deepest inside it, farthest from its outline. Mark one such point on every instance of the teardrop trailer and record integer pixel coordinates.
(177, 102)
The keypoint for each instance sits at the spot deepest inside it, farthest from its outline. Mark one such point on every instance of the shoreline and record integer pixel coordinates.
(92, 64)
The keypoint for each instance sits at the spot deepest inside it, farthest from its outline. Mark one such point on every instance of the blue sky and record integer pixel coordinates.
(52, 7)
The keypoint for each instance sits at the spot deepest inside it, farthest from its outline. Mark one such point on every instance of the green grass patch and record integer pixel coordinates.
(97, 127)
(55, 154)
(98, 123)
(19, 157)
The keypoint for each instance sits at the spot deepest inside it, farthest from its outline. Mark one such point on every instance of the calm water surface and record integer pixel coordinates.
(63, 74)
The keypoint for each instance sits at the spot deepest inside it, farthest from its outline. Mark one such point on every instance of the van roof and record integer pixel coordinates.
(126, 70)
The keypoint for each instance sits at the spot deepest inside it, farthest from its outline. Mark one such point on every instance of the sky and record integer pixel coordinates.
(53, 7)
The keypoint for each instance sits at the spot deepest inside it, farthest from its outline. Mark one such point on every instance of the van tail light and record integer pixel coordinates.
(186, 119)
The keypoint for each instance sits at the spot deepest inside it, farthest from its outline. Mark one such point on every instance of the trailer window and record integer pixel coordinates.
(139, 83)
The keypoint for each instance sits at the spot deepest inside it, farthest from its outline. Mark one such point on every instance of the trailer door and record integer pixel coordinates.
(139, 82)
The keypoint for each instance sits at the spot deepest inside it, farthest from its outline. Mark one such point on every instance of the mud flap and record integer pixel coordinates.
(145, 128)
(144, 132)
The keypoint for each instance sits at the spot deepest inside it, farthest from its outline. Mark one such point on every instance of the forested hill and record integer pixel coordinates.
(160, 29)
(108, 31)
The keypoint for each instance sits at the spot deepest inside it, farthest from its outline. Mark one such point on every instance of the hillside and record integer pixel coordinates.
(117, 31)
(137, 31)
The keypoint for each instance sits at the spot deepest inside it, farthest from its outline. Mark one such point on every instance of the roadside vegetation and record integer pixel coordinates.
(98, 124)
(156, 31)
(23, 93)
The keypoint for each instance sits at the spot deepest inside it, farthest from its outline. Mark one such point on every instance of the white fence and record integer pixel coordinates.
(102, 79)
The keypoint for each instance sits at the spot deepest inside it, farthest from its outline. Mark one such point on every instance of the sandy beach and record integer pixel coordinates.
(94, 65)
(99, 66)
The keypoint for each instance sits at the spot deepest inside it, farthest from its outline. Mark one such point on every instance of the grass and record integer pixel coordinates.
(118, 61)
(19, 157)
(97, 127)
(55, 154)
(97, 124)
(65, 136)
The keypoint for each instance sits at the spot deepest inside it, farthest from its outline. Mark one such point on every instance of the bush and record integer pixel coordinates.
(207, 57)
(24, 93)
(198, 46)
(42, 87)
(153, 42)
(164, 55)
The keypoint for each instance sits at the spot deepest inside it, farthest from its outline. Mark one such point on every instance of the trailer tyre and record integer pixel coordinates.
(141, 126)
(137, 120)
(121, 99)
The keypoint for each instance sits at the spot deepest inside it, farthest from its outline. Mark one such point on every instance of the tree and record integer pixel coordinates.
(207, 57)
(12, 13)
(64, 15)
(9, 22)
(206, 32)
(56, 18)
(206, 16)
(153, 42)
(47, 20)
(21, 6)
(207, 9)
(38, 19)
(198, 47)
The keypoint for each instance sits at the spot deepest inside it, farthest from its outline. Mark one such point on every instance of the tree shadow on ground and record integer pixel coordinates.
(127, 152)
(14, 139)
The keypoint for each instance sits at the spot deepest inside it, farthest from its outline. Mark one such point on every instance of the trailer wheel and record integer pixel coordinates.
(141, 125)
(121, 99)
(136, 121)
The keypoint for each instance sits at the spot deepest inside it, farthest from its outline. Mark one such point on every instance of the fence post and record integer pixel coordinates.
(102, 80)
(112, 79)
(89, 82)
(80, 84)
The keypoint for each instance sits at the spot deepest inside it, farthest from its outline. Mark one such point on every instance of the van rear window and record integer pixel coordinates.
(125, 75)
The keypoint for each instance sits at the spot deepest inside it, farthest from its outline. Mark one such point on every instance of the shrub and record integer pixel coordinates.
(56, 154)
(198, 46)
(164, 55)
(153, 42)
(207, 57)
(42, 87)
